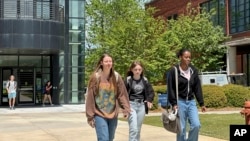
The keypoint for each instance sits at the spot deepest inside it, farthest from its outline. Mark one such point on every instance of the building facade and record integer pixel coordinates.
(232, 15)
(42, 40)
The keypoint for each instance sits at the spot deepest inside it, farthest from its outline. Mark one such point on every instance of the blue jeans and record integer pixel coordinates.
(135, 120)
(188, 112)
(105, 128)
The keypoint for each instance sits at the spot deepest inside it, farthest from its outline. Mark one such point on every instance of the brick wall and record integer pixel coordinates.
(167, 8)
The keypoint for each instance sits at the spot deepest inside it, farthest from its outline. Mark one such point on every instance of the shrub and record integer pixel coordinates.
(160, 89)
(236, 94)
(214, 96)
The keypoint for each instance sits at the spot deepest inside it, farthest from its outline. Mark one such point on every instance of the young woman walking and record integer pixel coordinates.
(141, 95)
(189, 88)
(106, 92)
(11, 89)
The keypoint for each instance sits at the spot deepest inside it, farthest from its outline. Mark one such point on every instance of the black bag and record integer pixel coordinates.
(146, 107)
(170, 124)
(171, 120)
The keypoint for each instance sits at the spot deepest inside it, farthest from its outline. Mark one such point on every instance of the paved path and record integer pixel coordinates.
(66, 123)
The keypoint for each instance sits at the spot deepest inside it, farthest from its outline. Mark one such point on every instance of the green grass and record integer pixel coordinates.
(213, 125)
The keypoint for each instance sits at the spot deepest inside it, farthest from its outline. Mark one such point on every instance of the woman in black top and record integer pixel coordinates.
(189, 88)
(47, 93)
(141, 95)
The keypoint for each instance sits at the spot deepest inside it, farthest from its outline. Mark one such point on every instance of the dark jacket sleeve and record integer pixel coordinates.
(171, 87)
(150, 92)
(197, 89)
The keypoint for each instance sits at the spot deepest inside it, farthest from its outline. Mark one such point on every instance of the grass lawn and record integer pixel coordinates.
(213, 125)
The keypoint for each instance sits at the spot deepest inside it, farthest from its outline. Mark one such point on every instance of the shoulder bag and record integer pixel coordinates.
(170, 118)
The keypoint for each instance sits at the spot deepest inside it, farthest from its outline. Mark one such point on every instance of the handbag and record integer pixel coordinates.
(170, 119)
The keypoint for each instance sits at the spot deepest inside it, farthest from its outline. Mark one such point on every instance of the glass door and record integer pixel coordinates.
(6, 72)
(26, 83)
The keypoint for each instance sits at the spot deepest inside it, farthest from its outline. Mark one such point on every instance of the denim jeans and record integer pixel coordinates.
(135, 120)
(105, 128)
(188, 112)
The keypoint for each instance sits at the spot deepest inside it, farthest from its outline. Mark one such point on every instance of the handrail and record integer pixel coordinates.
(31, 9)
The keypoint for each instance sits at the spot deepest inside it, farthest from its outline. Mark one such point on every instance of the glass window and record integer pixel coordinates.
(75, 36)
(77, 60)
(34, 61)
(61, 60)
(76, 24)
(219, 6)
(76, 49)
(76, 8)
(76, 97)
(26, 8)
(10, 8)
(239, 15)
(43, 9)
(76, 87)
(7, 60)
(45, 78)
(46, 61)
(61, 97)
(46, 70)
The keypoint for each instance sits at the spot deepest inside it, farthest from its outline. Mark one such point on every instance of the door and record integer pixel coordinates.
(6, 72)
(26, 83)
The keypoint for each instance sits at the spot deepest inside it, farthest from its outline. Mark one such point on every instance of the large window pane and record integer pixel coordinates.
(77, 60)
(46, 70)
(32, 61)
(76, 8)
(76, 24)
(76, 49)
(76, 87)
(219, 6)
(46, 61)
(26, 8)
(10, 9)
(45, 78)
(7, 60)
(239, 15)
(75, 36)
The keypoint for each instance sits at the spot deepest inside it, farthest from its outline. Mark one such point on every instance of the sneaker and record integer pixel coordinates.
(13, 108)
(10, 108)
(51, 104)
(43, 105)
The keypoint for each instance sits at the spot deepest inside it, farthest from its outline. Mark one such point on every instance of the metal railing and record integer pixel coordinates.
(31, 9)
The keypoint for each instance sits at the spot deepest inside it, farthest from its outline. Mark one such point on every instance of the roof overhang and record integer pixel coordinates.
(238, 42)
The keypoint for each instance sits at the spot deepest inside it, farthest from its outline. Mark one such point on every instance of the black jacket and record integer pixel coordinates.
(188, 89)
(149, 92)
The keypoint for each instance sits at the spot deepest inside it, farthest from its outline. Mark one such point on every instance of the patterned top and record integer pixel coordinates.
(105, 100)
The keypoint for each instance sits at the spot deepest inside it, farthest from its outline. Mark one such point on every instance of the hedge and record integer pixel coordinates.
(236, 94)
(214, 96)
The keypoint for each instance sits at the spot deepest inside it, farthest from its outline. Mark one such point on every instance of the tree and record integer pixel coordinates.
(128, 32)
(195, 31)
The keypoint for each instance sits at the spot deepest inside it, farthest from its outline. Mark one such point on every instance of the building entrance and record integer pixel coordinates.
(25, 78)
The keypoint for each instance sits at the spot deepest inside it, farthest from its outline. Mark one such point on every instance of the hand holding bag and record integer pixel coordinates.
(170, 119)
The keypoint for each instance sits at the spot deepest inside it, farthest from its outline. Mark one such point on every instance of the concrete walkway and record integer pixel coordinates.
(67, 123)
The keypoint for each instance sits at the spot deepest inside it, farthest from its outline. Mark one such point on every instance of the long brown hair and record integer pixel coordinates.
(99, 67)
(134, 64)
